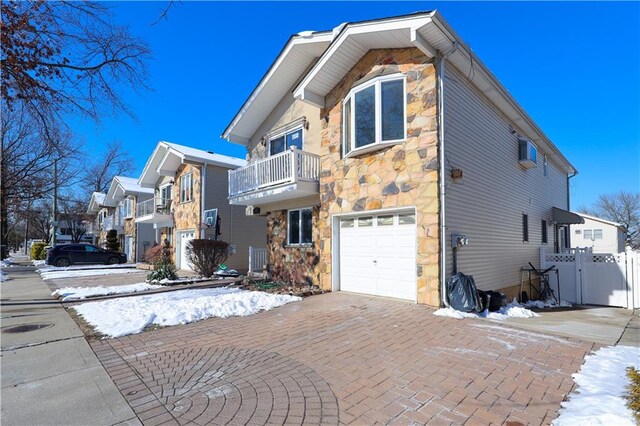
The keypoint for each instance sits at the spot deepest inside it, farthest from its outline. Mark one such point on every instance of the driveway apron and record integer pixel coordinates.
(343, 358)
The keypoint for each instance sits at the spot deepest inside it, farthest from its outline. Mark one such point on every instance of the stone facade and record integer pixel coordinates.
(186, 216)
(292, 264)
(130, 229)
(402, 175)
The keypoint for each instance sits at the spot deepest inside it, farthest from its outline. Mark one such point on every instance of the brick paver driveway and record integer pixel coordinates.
(342, 358)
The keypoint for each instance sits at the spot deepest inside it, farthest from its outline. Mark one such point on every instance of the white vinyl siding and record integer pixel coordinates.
(236, 227)
(487, 204)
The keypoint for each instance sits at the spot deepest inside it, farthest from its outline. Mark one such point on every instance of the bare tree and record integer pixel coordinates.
(74, 215)
(622, 207)
(114, 162)
(40, 221)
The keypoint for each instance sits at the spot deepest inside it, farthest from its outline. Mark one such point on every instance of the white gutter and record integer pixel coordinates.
(440, 61)
(203, 186)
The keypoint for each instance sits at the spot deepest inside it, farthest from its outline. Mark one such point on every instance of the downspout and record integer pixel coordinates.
(440, 61)
(203, 183)
(568, 235)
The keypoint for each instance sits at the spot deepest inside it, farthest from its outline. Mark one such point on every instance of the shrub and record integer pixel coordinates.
(112, 240)
(206, 256)
(37, 251)
(163, 268)
(633, 398)
(154, 254)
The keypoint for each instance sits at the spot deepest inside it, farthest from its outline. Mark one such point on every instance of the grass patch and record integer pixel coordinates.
(90, 333)
(633, 397)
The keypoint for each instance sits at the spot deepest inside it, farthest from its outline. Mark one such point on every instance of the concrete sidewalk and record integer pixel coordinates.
(50, 375)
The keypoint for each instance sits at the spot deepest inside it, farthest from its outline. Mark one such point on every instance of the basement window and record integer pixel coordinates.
(374, 115)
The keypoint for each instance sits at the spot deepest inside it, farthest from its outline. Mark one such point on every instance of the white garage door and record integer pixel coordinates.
(378, 255)
(183, 239)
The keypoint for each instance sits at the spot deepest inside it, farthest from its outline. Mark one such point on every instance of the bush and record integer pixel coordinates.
(38, 252)
(112, 240)
(206, 256)
(164, 267)
(633, 398)
(154, 254)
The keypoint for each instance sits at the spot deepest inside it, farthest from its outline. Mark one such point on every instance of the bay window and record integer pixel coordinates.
(374, 114)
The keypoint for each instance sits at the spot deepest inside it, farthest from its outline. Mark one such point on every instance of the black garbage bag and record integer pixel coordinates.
(492, 300)
(462, 294)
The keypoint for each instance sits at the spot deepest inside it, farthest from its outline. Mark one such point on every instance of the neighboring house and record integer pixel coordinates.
(135, 238)
(367, 161)
(191, 202)
(600, 235)
(104, 217)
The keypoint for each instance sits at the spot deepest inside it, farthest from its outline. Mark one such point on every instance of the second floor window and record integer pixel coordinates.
(165, 195)
(374, 113)
(285, 141)
(186, 188)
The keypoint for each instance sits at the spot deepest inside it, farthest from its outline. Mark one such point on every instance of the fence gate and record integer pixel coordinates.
(609, 279)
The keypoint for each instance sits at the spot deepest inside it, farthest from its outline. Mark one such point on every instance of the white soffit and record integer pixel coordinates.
(298, 54)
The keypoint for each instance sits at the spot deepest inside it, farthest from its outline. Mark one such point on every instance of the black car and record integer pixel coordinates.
(68, 254)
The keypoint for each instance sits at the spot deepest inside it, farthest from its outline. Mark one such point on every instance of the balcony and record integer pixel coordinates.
(156, 211)
(285, 176)
(112, 222)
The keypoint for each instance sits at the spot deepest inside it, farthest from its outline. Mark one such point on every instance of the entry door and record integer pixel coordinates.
(378, 255)
(184, 238)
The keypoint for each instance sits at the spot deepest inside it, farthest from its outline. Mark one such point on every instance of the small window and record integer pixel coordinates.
(385, 220)
(578, 231)
(525, 228)
(544, 232)
(406, 219)
(346, 223)
(587, 234)
(284, 142)
(364, 222)
(597, 234)
(374, 113)
(300, 226)
(186, 188)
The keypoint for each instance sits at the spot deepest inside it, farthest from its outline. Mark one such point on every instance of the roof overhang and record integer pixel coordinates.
(605, 221)
(564, 217)
(163, 162)
(298, 54)
(121, 187)
(430, 33)
(97, 202)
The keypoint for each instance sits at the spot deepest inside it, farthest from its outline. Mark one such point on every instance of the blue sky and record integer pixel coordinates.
(574, 67)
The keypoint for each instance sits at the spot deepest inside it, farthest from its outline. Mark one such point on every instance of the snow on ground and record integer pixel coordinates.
(3, 277)
(181, 280)
(512, 310)
(76, 293)
(601, 384)
(6, 263)
(54, 275)
(539, 304)
(39, 262)
(130, 315)
(81, 267)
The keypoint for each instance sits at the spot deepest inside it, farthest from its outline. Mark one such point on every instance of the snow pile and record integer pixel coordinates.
(76, 293)
(3, 277)
(601, 384)
(512, 310)
(539, 304)
(7, 263)
(54, 275)
(81, 267)
(39, 262)
(181, 280)
(130, 315)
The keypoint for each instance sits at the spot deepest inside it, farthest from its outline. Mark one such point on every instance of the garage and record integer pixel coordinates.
(183, 238)
(378, 254)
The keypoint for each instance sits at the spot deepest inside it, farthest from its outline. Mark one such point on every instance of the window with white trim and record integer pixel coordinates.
(186, 188)
(300, 226)
(127, 208)
(285, 141)
(592, 234)
(374, 113)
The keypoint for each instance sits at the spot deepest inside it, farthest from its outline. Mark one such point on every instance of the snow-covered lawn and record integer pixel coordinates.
(512, 310)
(601, 385)
(181, 280)
(48, 268)
(6, 263)
(76, 293)
(39, 262)
(54, 275)
(130, 315)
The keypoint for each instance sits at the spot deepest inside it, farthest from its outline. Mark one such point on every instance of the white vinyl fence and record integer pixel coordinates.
(257, 260)
(608, 279)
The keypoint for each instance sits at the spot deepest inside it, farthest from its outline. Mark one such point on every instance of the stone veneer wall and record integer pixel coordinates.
(186, 216)
(130, 229)
(292, 264)
(402, 175)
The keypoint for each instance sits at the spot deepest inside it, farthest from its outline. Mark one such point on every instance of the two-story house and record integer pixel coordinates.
(190, 201)
(376, 148)
(104, 219)
(135, 238)
(598, 235)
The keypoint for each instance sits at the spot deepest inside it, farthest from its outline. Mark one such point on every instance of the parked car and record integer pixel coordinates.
(68, 254)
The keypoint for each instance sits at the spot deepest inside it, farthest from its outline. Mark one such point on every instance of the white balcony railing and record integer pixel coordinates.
(152, 206)
(287, 167)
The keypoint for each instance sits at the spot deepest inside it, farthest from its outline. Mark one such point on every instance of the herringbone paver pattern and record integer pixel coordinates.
(342, 358)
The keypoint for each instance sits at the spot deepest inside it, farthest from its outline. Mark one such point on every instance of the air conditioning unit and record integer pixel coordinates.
(252, 211)
(527, 153)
